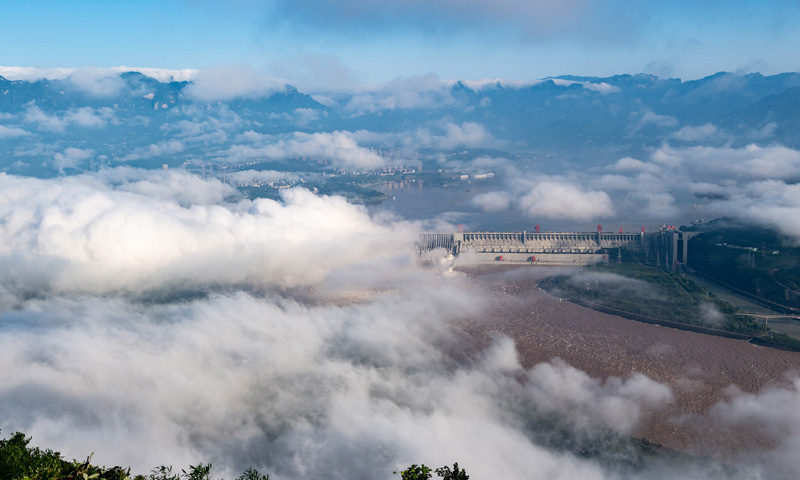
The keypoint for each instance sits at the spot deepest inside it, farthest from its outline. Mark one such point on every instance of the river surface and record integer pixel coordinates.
(451, 206)
(702, 370)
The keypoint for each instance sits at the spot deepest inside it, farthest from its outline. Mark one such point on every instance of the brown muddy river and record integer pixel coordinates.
(701, 369)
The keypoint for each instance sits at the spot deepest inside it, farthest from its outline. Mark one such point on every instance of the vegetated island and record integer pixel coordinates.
(635, 288)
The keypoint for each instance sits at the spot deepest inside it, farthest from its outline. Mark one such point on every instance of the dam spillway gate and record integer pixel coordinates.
(556, 248)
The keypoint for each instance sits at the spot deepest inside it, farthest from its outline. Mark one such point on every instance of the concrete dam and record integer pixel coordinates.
(668, 245)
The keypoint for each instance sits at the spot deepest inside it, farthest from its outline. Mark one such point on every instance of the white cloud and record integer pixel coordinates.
(652, 118)
(667, 157)
(402, 93)
(33, 73)
(768, 162)
(227, 82)
(160, 149)
(441, 135)
(554, 198)
(646, 189)
(342, 382)
(752, 161)
(492, 201)
(12, 132)
(337, 147)
(349, 391)
(99, 238)
(653, 205)
(209, 126)
(770, 414)
(71, 158)
(485, 164)
(694, 134)
(468, 134)
(43, 121)
(37, 149)
(771, 203)
(755, 184)
(146, 320)
(96, 82)
(599, 87)
(632, 164)
(615, 403)
(169, 186)
(86, 117)
(325, 100)
(299, 117)
(493, 83)
(306, 116)
(480, 85)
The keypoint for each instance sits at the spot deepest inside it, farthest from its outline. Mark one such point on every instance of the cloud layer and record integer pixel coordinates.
(148, 319)
(298, 391)
(756, 184)
(149, 232)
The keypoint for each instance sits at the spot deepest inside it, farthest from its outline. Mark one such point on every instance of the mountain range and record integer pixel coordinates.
(49, 127)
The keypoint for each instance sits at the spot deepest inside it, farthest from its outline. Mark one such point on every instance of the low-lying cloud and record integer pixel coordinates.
(32, 74)
(160, 149)
(756, 184)
(296, 390)
(440, 136)
(339, 148)
(492, 201)
(12, 132)
(559, 199)
(615, 285)
(86, 117)
(149, 319)
(541, 196)
(94, 237)
(227, 82)
(328, 379)
(401, 94)
(71, 158)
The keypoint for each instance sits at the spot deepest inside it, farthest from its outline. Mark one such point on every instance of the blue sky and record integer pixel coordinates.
(364, 41)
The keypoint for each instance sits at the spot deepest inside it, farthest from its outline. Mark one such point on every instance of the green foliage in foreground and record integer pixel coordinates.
(454, 474)
(19, 461)
(423, 472)
(416, 472)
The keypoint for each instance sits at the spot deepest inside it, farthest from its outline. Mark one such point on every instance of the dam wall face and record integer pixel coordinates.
(541, 259)
(528, 242)
(553, 248)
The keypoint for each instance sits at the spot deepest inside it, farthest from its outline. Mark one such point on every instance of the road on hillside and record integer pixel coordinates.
(786, 326)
